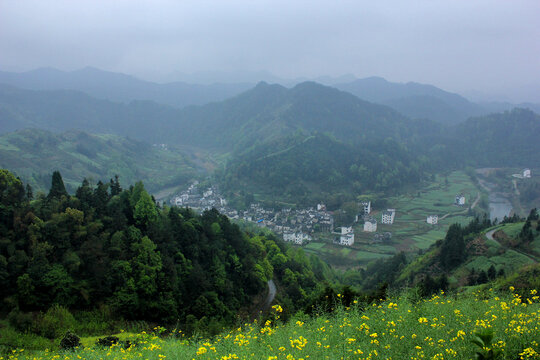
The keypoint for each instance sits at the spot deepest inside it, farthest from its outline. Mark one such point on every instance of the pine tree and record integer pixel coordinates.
(115, 186)
(453, 247)
(58, 188)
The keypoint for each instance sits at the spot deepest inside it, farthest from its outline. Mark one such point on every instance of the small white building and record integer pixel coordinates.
(526, 173)
(432, 219)
(347, 236)
(388, 216)
(321, 207)
(370, 225)
(208, 193)
(460, 200)
(367, 207)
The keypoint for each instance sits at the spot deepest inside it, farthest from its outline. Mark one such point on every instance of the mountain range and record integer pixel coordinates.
(418, 101)
(327, 138)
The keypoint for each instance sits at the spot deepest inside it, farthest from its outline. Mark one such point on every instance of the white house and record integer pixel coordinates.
(460, 200)
(432, 219)
(527, 173)
(367, 207)
(321, 207)
(347, 236)
(387, 216)
(370, 225)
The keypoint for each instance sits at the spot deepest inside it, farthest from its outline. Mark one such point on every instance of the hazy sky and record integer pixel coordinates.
(492, 46)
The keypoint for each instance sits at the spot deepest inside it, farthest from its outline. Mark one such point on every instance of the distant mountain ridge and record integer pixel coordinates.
(122, 88)
(257, 115)
(414, 100)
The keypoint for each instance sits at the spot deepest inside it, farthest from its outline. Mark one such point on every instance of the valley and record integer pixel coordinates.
(199, 216)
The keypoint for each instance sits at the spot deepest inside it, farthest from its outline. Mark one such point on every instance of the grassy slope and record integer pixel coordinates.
(34, 154)
(499, 255)
(439, 328)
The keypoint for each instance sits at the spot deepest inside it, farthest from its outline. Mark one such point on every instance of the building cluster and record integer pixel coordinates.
(205, 200)
(296, 226)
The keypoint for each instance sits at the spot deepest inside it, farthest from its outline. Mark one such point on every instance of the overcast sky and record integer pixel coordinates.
(491, 46)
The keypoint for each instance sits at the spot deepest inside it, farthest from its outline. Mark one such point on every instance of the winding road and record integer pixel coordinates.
(489, 235)
(265, 305)
(271, 295)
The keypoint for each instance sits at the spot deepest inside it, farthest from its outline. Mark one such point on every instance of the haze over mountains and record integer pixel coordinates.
(268, 132)
(411, 99)
(122, 88)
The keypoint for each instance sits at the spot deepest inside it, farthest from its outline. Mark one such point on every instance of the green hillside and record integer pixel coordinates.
(304, 169)
(33, 155)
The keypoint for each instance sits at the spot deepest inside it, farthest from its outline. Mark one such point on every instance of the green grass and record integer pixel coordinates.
(512, 230)
(510, 260)
(399, 328)
(315, 245)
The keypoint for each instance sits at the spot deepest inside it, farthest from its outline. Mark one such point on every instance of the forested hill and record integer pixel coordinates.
(115, 250)
(505, 139)
(302, 169)
(63, 110)
(32, 154)
(270, 111)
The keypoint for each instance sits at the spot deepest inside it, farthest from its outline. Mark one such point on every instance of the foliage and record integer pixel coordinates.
(96, 251)
(485, 351)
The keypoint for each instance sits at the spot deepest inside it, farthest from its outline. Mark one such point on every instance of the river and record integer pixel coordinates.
(499, 205)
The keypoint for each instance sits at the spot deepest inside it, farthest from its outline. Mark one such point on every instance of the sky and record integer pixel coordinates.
(482, 48)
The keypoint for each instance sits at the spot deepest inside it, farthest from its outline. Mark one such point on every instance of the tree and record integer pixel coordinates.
(58, 188)
(115, 186)
(533, 215)
(145, 210)
(453, 247)
(492, 272)
(29, 192)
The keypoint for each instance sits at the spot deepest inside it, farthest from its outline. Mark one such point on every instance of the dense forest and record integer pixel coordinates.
(114, 248)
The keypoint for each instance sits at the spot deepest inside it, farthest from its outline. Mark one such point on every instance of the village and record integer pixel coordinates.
(298, 226)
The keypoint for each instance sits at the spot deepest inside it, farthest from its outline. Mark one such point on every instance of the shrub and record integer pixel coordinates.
(56, 322)
(20, 321)
(70, 341)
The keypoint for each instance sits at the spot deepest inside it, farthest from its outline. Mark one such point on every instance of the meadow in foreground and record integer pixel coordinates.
(442, 327)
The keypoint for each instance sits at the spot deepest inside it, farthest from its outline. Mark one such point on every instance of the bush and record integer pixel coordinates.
(20, 321)
(56, 322)
(70, 341)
